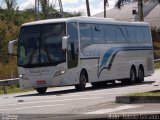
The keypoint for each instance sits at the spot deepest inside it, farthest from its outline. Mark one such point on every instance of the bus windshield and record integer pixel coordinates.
(41, 45)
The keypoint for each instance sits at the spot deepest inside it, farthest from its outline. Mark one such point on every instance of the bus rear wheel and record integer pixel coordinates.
(140, 75)
(82, 81)
(41, 90)
(132, 78)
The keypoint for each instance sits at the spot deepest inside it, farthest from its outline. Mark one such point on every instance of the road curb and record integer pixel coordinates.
(137, 99)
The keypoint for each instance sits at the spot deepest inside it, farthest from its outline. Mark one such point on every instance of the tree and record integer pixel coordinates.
(120, 3)
(44, 7)
(10, 4)
(105, 4)
(74, 14)
(48, 10)
(88, 7)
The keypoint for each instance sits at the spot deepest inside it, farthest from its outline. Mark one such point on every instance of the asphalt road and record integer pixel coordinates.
(65, 102)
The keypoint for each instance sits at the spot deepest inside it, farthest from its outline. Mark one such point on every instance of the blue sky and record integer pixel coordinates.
(96, 6)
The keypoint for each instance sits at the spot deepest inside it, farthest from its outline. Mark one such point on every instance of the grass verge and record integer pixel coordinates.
(151, 93)
(157, 65)
(13, 89)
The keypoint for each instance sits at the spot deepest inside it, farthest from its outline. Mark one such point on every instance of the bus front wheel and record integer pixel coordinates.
(82, 81)
(41, 90)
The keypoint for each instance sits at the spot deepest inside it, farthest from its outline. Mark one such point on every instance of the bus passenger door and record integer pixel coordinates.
(72, 50)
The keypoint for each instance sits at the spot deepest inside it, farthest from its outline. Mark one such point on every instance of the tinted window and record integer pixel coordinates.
(52, 41)
(41, 45)
(146, 35)
(85, 35)
(131, 34)
(110, 33)
(121, 34)
(139, 34)
(98, 34)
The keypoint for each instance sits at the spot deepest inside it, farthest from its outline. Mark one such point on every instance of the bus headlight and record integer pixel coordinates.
(60, 72)
(23, 76)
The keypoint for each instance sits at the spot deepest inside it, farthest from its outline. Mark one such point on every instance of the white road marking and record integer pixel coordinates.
(39, 102)
(30, 107)
(104, 111)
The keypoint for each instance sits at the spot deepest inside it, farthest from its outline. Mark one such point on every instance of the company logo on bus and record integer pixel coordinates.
(40, 71)
(88, 53)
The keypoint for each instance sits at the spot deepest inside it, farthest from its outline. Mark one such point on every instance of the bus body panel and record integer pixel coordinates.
(101, 61)
(121, 63)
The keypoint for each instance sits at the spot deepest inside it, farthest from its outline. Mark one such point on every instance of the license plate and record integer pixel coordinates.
(41, 82)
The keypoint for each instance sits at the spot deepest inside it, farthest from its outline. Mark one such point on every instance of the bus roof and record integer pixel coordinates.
(86, 20)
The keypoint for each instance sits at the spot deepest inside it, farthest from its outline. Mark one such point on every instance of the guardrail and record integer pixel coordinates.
(8, 82)
(157, 60)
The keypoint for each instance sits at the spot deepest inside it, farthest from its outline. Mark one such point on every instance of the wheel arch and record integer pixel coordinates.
(141, 66)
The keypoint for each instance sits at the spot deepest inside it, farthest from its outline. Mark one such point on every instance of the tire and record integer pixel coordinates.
(132, 78)
(41, 90)
(140, 75)
(82, 81)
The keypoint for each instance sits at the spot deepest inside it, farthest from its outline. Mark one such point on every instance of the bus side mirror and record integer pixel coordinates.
(64, 42)
(11, 45)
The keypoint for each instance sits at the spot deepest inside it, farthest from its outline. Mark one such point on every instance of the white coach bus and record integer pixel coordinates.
(80, 50)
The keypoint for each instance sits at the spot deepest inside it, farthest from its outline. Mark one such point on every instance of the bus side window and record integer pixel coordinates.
(146, 35)
(121, 34)
(85, 35)
(139, 34)
(131, 34)
(98, 34)
(110, 33)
